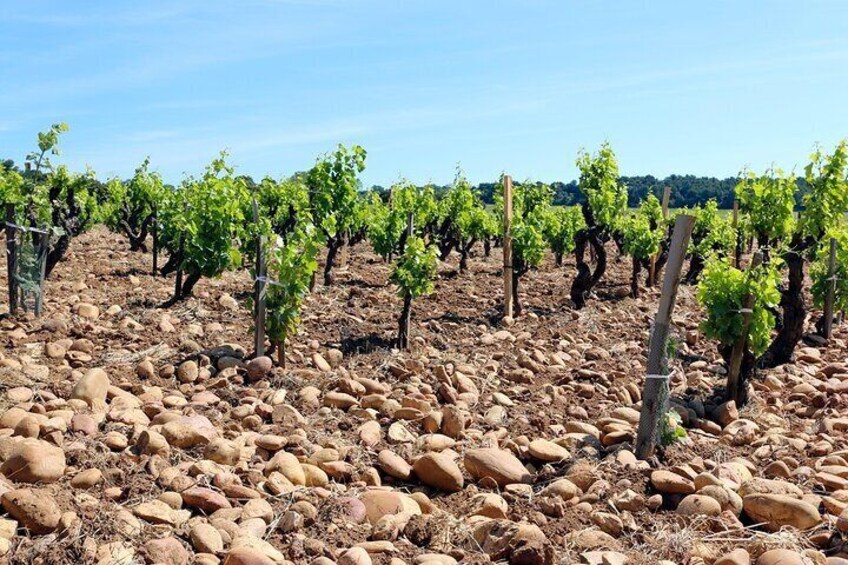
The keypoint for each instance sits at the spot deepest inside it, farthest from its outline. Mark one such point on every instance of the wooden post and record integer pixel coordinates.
(655, 392)
(665, 201)
(178, 283)
(735, 389)
(737, 250)
(155, 229)
(43, 250)
(831, 291)
(11, 258)
(258, 291)
(507, 245)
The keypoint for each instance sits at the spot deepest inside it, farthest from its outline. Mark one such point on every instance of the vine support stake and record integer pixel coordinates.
(507, 245)
(11, 258)
(736, 388)
(665, 201)
(178, 283)
(155, 229)
(655, 391)
(830, 297)
(737, 248)
(258, 291)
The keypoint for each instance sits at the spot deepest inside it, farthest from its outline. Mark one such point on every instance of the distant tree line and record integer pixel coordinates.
(686, 190)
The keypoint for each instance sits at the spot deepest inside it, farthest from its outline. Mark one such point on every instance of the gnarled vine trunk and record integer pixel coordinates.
(519, 268)
(333, 246)
(696, 266)
(794, 315)
(634, 278)
(587, 278)
(404, 322)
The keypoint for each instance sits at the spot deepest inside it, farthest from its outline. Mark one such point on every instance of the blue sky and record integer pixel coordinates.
(517, 86)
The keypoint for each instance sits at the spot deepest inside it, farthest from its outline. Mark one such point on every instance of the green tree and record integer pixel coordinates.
(413, 273)
(283, 205)
(721, 292)
(203, 225)
(711, 234)
(606, 200)
(333, 186)
(642, 234)
(291, 263)
(561, 225)
(130, 206)
(531, 210)
(462, 220)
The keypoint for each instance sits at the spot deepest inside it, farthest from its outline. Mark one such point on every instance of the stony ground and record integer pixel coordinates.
(131, 433)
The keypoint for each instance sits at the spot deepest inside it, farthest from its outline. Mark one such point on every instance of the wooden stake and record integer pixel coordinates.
(155, 229)
(507, 245)
(735, 390)
(830, 298)
(258, 291)
(178, 283)
(665, 201)
(11, 258)
(737, 250)
(655, 392)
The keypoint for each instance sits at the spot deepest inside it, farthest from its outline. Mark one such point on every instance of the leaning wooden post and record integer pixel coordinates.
(735, 388)
(737, 250)
(11, 258)
(655, 392)
(830, 297)
(507, 245)
(258, 291)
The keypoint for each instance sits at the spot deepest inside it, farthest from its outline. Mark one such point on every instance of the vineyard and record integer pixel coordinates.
(298, 370)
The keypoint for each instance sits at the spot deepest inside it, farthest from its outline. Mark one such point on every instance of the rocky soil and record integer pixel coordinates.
(131, 433)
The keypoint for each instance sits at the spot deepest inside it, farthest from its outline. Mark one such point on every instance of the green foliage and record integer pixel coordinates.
(561, 225)
(819, 270)
(48, 143)
(643, 231)
(11, 186)
(132, 202)
(721, 291)
(827, 201)
(387, 221)
(291, 263)
(415, 270)
(531, 210)
(282, 204)
(460, 209)
(606, 197)
(209, 213)
(333, 188)
(712, 232)
(768, 201)
(385, 227)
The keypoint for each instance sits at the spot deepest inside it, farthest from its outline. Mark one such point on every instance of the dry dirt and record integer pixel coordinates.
(571, 377)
